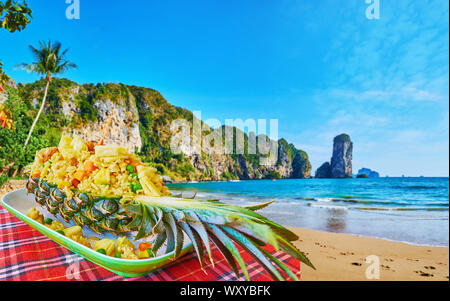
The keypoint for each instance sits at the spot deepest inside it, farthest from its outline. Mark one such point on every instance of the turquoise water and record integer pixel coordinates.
(414, 210)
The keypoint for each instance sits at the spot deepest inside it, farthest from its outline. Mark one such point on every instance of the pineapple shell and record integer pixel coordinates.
(97, 213)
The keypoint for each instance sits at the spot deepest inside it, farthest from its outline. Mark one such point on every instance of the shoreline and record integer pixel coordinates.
(339, 256)
(373, 237)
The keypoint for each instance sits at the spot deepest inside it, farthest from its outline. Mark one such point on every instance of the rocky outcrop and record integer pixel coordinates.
(3, 97)
(292, 162)
(324, 171)
(3, 93)
(341, 160)
(367, 171)
(167, 179)
(116, 123)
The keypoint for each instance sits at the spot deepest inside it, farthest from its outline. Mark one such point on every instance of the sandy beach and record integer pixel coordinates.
(343, 257)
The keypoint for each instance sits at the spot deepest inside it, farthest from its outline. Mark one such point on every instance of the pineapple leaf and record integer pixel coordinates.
(247, 245)
(289, 248)
(280, 264)
(158, 242)
(170, 220)
(179, 239)
(138, 217)
(147, 224)
(231, 247)
(196, 241)
(201, 231)
(225, 253)
(159, 226)
(170, 238)
(256, 207)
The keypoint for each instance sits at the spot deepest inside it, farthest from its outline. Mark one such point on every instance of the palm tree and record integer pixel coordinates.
(49, 60)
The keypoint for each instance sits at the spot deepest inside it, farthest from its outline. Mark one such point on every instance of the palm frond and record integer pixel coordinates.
(48, 59)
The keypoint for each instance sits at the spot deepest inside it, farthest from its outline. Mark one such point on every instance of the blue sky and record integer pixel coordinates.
(320, 67)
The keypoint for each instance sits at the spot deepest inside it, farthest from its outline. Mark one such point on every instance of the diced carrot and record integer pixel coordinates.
(75, 182)
(144, 246)
(47, 153)
(89, 167)
(79, 175)
(101, 142)
(36, 174)
(91, 146)
(73, 162)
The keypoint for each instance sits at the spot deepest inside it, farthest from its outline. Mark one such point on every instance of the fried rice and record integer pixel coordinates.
(101, 170)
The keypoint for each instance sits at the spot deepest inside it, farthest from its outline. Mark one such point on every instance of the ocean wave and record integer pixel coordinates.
(372, 202)
(437, 204)
(356, 201)
(415, 187)
(402, 209)
(332, 207)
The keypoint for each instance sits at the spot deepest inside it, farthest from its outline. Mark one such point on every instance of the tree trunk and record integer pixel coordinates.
(6, 168)
(15, 173)
(39, 113)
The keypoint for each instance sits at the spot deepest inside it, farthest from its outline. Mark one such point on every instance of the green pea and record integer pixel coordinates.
(48, 221)
(61, 232)
(118, 255)
(150, 253)
(134, 175)
(136, 186)
(130, 168)
(103, 251)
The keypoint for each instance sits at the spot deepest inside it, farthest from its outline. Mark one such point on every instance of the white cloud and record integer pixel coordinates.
(402, 95)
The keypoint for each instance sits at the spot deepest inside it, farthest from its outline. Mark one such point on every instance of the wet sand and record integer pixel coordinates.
(343, 257)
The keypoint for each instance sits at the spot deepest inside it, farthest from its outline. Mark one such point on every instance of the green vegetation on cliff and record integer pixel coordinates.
(13, 156)
(342, 138)
(300, 161)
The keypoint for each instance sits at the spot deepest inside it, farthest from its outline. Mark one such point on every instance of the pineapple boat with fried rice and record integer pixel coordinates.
(108, 189)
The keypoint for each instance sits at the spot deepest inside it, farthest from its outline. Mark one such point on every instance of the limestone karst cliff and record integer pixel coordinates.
(324, 171)
(140, 118)
(367, 171)
(341, 160)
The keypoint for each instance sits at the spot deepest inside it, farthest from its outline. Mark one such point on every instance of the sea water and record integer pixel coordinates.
(413, 210)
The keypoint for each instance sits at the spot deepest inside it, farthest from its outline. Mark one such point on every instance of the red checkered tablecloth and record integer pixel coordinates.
(26, 254)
